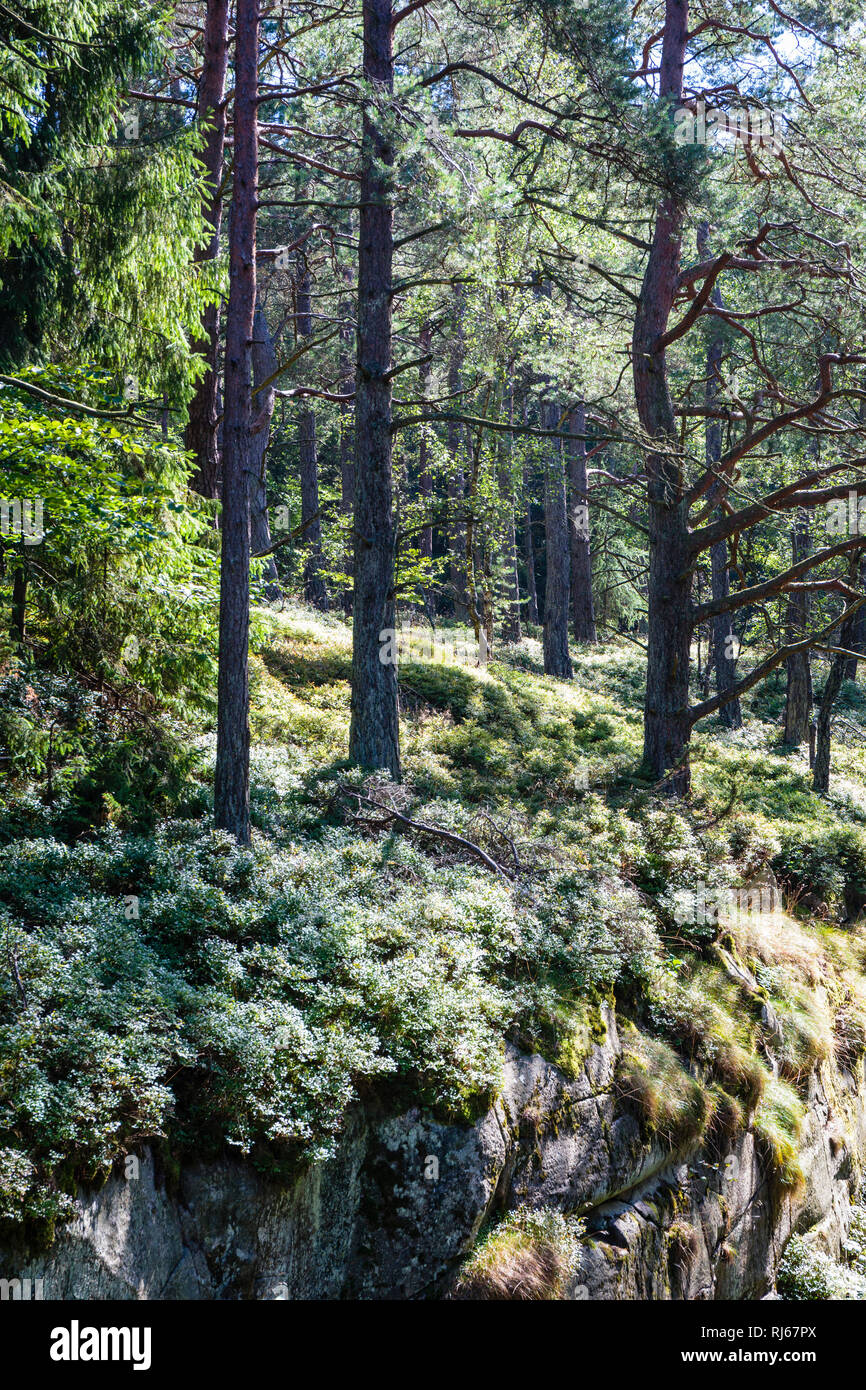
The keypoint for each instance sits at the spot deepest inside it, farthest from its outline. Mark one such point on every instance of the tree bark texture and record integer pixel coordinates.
(456, 480)
(232, 781)
(314, 585)
(666, 712)
(529, 556)
(722, 638)
(798, 699)
(19, 603)
(347, 465)
(374, 739)
(264, 359)
(200, 435)
(511, 583)
(425, 474)
(557, 589)
(832, 686)
(858, 630)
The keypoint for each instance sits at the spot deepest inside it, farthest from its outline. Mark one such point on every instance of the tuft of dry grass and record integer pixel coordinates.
(530, 1273)
(849, 1037)
(527, 1257)
(713, 1023)
(778, 1125)
(776, 939)
(674, 1105)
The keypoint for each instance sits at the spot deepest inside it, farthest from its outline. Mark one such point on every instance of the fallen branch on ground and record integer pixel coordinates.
(420, 827)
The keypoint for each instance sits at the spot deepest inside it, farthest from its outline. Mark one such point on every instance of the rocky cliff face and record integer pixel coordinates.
(391, 1215)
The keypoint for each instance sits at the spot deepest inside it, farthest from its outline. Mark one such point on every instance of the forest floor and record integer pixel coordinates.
(164, 984)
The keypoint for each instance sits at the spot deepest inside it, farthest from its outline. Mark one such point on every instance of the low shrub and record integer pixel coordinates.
(825, 869)
(807, 1274)
(175, 985)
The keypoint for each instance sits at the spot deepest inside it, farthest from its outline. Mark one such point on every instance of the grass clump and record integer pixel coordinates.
(778, 1123)
(673, 1105)
(708, 1017)
(807, 1026)
(527, 1257)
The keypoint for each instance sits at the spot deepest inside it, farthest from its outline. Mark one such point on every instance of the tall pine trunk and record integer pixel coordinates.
(232, 781)
(374, 739)
(832, 686)
(200, 435)
(724, 647)
(511, 583)
(511, 631)
(19, 603)
(529, 556)
(347, 464)
(557, 589)
(666, 711)
(264, 357)
(314, 586)
(425, 475)
(456, 481)
(583, 613)
(798, 699)
(858, 630)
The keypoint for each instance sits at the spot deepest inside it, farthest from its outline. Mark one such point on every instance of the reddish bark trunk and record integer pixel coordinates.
(374, 729)
(232, 782)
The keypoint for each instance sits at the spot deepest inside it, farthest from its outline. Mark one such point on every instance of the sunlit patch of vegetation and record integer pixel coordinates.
(527, 1256)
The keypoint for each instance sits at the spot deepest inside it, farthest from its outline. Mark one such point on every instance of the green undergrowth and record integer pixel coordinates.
(810, 1274)
(159, 984)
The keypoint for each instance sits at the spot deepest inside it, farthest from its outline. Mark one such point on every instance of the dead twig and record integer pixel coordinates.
(503, 835)
(420, 827)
